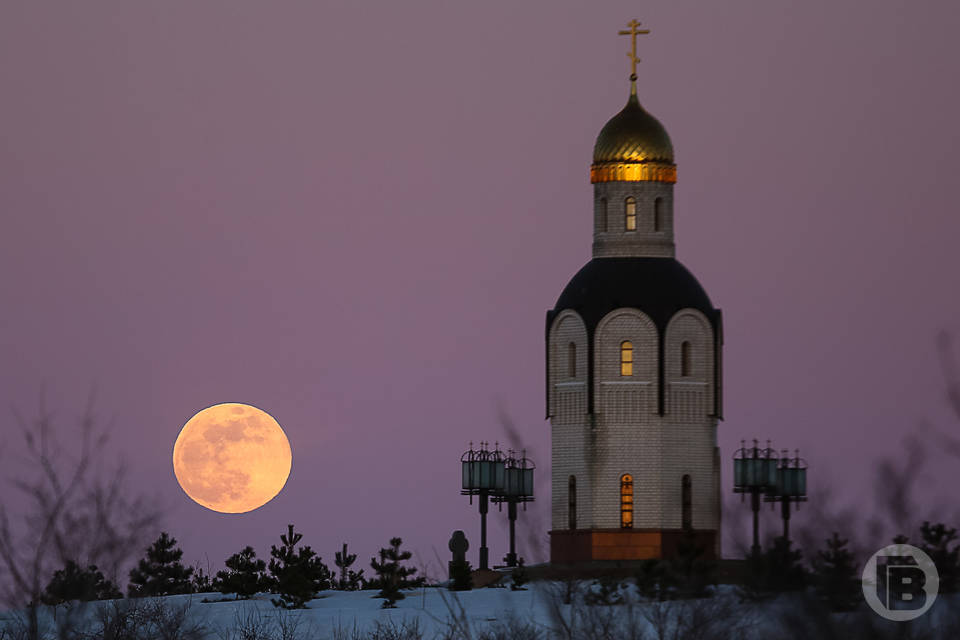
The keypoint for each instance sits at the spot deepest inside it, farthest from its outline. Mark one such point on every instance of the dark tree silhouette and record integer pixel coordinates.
(940, 543)
(519, 576)
(298, 573)
(244, 576)
(201, 582)
(461, 576)
(76, 583)
(835, 575)
(160, 573)
(349, 580)
(392, 575)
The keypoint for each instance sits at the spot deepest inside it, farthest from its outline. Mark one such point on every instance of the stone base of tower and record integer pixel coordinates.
(604, 545)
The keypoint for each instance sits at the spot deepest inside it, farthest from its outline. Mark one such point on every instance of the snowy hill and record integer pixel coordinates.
(484, 614)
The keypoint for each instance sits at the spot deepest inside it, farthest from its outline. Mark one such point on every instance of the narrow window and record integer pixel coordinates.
(603, 215)
(684, 359)
(658, 214)
(686, 504)
(572, 360)
(572, 502)
(626, 358)
(626, 501)
(631, 211)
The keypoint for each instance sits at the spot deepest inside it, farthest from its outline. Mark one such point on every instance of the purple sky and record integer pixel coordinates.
(354, 217)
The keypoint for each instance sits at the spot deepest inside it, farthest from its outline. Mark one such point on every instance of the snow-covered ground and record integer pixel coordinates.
(432, 607)
(539, 607)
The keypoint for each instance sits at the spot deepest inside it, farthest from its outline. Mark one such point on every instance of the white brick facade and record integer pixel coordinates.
(626, 434)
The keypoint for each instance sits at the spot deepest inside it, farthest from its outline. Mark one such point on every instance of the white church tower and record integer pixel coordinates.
(633, 367)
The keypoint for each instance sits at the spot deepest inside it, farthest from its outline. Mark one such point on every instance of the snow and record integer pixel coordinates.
(433, 607)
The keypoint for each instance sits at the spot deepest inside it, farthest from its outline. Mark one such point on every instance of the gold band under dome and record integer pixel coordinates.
(633, 172)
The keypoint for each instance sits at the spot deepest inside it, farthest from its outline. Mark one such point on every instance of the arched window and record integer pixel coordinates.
(631, 213)
(626, 501)
(572, 360)
(658, 214)
(572, 502)
(684, 358)
(626, 358)
(603, 215)
(686, 504)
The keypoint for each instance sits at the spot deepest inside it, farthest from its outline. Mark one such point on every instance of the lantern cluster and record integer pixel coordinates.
(791, 481)
(755, 469)
(483, 470)
(518, 479)
(769, 477)
(502, 476)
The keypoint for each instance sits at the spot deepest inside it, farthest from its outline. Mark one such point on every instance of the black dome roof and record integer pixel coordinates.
(657, 286)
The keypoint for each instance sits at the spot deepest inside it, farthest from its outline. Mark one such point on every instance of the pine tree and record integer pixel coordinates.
(298, 573)
(349, 580)
(75, 583)
(461, 574)
(160, 573)
(245, 575)
(654, 580)
(520, 577)
(835, 575)
(936, 544)
(691, 571)
(201, 581)
(773, 571)
(392, 576)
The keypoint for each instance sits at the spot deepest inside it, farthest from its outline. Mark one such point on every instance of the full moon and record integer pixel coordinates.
(231, 458)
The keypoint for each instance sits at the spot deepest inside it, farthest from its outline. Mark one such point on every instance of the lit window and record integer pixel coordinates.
(572, 360)
(658, 214)
(626, 358)
(686, 503)
(603, 215)
(626, 501)
(572, 502)
(684, 359)
(631, 211)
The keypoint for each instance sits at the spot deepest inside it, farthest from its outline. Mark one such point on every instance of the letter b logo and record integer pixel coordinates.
(900, 582)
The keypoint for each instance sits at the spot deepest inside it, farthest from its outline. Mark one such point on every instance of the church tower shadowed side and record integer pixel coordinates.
(633, 346)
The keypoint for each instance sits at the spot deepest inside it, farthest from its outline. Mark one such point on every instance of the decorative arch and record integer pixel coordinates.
(630, 325)
(689, 335)
(567, 350)
(658, 214)
(604, 225)
(689, 352)
(625, 369)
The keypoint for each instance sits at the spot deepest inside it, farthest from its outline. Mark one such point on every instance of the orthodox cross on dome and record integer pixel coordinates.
(633, 33)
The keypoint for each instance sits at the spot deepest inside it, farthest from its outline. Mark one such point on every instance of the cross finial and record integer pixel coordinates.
(633, 33)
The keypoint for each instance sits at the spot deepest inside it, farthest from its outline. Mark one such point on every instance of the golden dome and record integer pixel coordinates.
(633, 147)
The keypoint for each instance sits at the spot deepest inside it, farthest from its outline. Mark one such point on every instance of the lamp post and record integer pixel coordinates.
(791, 486)
(755, 471)
(517, 488)
(483, 476)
